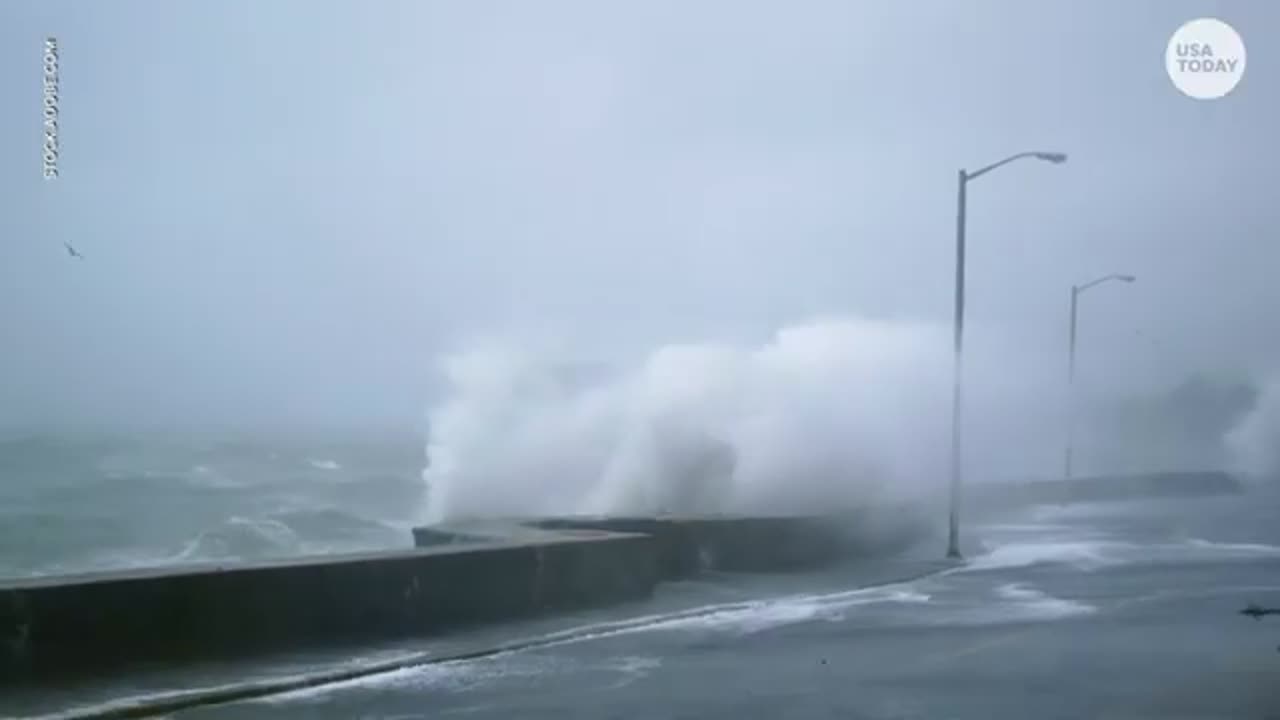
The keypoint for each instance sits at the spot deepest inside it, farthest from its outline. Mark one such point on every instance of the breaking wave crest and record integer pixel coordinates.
(1255, 441)
(826, 413)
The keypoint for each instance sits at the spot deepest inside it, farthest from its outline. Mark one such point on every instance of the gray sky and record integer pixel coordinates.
(289, 208)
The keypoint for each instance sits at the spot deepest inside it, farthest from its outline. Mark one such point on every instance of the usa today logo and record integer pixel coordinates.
(1205, 59)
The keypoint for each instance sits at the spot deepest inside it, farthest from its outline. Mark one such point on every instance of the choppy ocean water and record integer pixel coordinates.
(80, 502)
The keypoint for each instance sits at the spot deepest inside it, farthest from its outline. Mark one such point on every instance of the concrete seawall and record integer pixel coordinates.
(686, 545)
(55, 627)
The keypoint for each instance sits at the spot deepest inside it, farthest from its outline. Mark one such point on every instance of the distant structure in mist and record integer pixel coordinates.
(1188, 426)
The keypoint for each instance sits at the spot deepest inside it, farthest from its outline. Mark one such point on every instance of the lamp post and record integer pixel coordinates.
(965, 177)
(1076, 291)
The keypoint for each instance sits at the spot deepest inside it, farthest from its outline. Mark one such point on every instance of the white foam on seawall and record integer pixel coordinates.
(745, 617)
(1233, 548)
(1088, 554)
(1082, 554)
(324, 464)
(438, 676)
(1018, 591)
(1012, 603)
(636, 664)
(768, 614)
(138, 705)
(1031, 603)
(631, 669)
(464, 675)
(447, 676)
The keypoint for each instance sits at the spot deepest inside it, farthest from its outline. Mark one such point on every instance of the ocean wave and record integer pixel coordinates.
(209, 477)
(320, 523)
(39, 543)
(836, 411)
(72, 503)
(241, 538)
(291, 533)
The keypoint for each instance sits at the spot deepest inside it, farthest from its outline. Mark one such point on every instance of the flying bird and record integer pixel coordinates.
(1256, 612)
(72, 251)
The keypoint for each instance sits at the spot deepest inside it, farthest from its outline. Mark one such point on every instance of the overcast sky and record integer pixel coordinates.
(288, 209)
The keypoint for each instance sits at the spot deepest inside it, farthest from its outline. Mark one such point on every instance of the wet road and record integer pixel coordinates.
(1107, 611)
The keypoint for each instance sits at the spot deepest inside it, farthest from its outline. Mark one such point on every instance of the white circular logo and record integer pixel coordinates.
(1205, 58)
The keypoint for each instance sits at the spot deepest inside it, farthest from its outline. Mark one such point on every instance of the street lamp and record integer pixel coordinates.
(1076, 290)
(953, 536)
